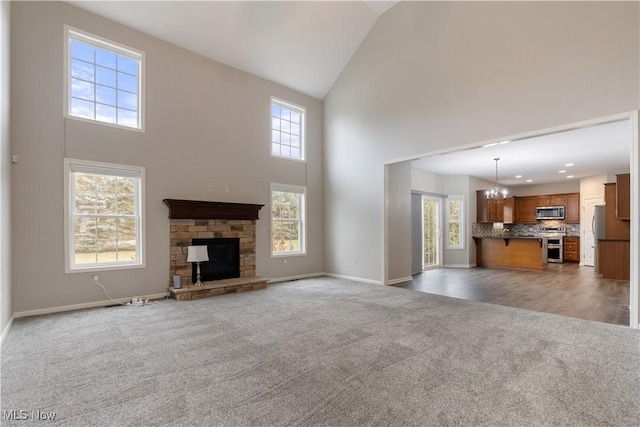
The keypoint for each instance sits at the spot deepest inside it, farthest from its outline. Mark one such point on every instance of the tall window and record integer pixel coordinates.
(287, 220)
(455, 219)
(287, 130)
(103, 215)
(104, 81)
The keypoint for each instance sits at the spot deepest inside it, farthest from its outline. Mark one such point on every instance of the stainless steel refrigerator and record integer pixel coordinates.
(599, 228)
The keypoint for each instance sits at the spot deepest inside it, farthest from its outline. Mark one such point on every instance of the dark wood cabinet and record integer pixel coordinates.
(571, 249)
(554, 200)
(525, 208)
(623, 196)
(489, 210)
(509, 210)
(571, 204)
(614, 259)
(615, 227)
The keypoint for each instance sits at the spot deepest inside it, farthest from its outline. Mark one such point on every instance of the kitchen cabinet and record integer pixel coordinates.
(489, 210)
(571, 249)
(525, 209)
(555, 200)
(614, 258)
(571, 207)
(615, 227)
(509, 210)
(623, 196)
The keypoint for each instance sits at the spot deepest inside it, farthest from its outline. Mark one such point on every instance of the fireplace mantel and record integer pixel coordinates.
(196, 209)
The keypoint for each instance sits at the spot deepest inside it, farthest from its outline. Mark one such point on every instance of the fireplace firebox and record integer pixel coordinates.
(224, 259)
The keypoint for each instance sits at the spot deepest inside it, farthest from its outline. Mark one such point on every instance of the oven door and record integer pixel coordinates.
(554, 250)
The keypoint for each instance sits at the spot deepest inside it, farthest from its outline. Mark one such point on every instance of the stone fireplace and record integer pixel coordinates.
(192, 221)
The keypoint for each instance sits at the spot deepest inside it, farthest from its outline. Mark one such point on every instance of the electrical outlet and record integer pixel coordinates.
(210, 187)
(96, 278)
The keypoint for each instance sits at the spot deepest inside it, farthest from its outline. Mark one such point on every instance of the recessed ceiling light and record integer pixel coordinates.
(490, 145)
(569, 176)
(518, 176)
(568, 164)
(562, 171)
(529, 180)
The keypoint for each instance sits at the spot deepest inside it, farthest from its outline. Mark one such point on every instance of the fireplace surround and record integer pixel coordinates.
(191, 219)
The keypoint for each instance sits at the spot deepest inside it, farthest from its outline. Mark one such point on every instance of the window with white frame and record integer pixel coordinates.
(455, 222)
(103, 215)
(287, 220)
(104, 81)
(287, 130)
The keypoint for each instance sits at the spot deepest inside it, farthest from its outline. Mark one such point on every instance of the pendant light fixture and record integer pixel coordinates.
(496, 192)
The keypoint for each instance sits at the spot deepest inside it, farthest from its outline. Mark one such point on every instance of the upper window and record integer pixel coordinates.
(103, 215)
(455, 220)
(104, 81)
(287, 220)
(287, 130)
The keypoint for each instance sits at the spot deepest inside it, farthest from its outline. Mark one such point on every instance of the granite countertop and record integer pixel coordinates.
(511, 236)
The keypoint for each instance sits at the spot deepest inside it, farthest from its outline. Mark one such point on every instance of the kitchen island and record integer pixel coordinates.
(512, 252)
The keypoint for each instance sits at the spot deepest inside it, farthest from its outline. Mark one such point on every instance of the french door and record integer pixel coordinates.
(432, 232)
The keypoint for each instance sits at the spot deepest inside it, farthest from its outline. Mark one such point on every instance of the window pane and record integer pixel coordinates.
(286, 236)
(127, 82)
(295, 153)
(106, 230)
(127, 118)
(295, 141)
(275, 136)
(85, 203)
(126, 204)
(105, 203)
(82, 51)
(80, 108)
(127, 231)
(106, 113)
(105, 76)
(106, 95)
(275, 149)
(127, 100)
(106, 58)
(285, 126)
(107, 250)
(295, 128)
(285, 138)
(127, 65)
(285, 114)
(285, 150)
(125, 185)
(85, 251)
(82, 89)
(454, 234)
(82, 70)
(295, 117)
(84, 230)
(275, 123)
(275, 110)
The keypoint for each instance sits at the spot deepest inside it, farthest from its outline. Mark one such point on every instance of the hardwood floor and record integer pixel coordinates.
(565, 289)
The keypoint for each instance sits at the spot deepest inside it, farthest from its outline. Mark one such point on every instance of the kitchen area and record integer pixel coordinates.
(532, 232)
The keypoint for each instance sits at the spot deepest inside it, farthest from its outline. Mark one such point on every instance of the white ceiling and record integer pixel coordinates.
(593, 150)
(303, 45)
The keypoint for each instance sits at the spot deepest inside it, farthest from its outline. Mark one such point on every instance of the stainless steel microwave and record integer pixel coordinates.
(550, 212)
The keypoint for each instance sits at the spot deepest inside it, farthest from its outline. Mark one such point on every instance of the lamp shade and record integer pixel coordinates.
(197, 254)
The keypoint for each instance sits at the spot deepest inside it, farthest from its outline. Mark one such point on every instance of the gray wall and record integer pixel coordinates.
(206, 123)
(5, 171)
(439, 75)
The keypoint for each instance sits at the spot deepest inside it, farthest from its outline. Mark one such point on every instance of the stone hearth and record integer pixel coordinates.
(206, 220)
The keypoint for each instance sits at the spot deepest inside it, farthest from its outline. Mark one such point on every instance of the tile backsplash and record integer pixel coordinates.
(487, 229)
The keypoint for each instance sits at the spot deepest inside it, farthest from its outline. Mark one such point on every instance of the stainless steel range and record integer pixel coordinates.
(554, 237)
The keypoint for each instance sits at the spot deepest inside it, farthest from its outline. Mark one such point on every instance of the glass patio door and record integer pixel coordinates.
(432, 208)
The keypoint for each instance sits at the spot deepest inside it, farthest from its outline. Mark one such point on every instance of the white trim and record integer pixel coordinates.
(68, 209)
(103, 303)
(355, 279)
(632, 116)
(5, 332)
(114, 47)
(296, 277)
(400, 280)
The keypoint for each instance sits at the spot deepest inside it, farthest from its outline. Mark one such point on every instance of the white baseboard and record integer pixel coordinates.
(400, 280)
(460, 265)
(297, 277)
(5, 332)
(355, 279)
(102, 303)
